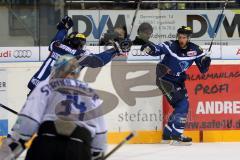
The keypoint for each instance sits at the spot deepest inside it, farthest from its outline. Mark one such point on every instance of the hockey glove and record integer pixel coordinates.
(149, 48)
(11, 149)
(205, 61)
(123, 46)
(65, 23)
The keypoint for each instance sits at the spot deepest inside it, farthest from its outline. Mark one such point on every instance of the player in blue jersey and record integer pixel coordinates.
(73, 44)
(179, 55)
(44, 71)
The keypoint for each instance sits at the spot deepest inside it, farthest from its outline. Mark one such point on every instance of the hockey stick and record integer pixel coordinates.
(218, 25)
(9, 109)
(134, 17)
(129, 137)
(115, 44)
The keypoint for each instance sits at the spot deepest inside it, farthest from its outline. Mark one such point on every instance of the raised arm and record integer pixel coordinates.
(97, 60)
(155, 49)
(63, 26)
(101, 59)
(60, 35)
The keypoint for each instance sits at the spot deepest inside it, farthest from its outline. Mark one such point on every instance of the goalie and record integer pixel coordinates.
(56, 110)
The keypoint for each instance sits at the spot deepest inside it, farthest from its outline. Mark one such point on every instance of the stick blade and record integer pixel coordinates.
(131, 135)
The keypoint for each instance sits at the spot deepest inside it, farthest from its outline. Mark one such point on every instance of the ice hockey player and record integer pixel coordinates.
(55, 110)
(179, 55)
(73, 44)
(63, 26)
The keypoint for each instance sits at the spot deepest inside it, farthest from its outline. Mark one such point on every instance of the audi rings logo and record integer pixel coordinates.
(137, 52)
(22, 53)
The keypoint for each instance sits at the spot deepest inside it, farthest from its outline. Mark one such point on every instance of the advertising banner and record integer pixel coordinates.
(218, 52)
(231, 52)
(214, 98)
(94, 23)
(134, 55)
(3, 100)
(129, 89)
(3, 127)
(19, 54)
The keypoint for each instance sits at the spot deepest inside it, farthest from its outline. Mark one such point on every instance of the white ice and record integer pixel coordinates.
(198, 151)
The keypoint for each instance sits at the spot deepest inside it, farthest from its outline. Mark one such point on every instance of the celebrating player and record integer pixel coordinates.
(73, 44)
(63, 26)
(179, 56)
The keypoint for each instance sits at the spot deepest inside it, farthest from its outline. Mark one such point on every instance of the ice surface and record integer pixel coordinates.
(198, 151)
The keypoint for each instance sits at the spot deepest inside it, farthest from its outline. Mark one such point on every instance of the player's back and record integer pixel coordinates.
(71, 100)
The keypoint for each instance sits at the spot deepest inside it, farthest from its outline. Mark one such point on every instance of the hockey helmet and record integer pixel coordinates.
(75, 40)
(185, 30)
(63, 66)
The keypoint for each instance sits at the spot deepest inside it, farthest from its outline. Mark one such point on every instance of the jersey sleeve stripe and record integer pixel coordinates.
(44, 68)
(181, 58)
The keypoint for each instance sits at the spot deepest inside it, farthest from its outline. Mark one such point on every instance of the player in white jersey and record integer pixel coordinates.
(58, 110)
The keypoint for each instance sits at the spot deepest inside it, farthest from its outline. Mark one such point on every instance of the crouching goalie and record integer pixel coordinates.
(179, 55)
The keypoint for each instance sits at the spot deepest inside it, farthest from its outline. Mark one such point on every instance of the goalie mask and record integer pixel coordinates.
(64, 66)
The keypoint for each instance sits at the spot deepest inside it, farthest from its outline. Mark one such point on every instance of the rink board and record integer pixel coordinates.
(148, 137)
(148, 125)
(154, 137)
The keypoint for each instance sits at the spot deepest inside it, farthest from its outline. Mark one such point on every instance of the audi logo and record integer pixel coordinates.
(137, 52)
(22, 53)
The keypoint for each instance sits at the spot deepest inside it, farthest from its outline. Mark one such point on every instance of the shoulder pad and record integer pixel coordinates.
(196, 47)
